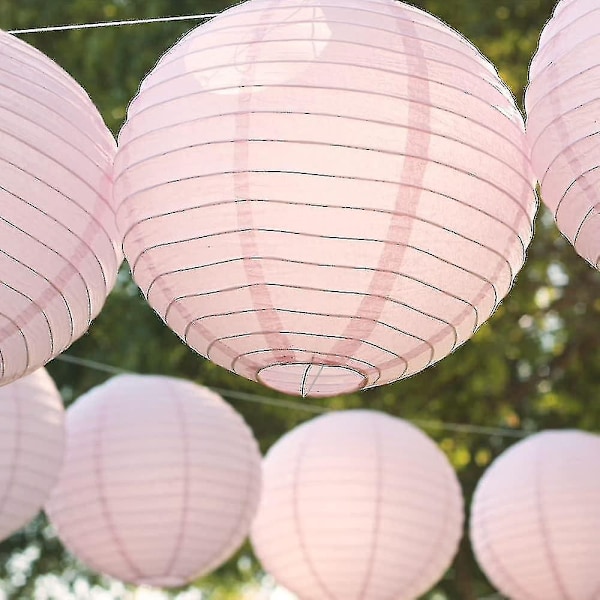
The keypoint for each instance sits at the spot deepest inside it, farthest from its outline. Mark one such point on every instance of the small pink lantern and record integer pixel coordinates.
(357, 504)
(535, 519)
(59, 249)
(160, 482)
(31, 447)
(563, 101)
(324, 197)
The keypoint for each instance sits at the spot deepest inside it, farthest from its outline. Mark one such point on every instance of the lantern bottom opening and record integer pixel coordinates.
(162, 582)
(312, 379)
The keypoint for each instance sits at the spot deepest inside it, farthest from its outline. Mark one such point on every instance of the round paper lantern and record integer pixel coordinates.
(324, 196)
(357, 504)
(562, 101)
(535, 523)
(58, 254)
(160, 482)
(31, 447)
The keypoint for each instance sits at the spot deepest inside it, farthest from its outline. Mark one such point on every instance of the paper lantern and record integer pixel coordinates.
(58, 249)
(160, 482)
(535, 523)
(31, 447)
(357, 504)
(324, 196)
(562, 101)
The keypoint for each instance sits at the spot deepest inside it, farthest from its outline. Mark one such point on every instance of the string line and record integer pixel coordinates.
(311, 408)
(101, 24)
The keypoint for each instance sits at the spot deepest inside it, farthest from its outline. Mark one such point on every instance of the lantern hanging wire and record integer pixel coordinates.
(104, 24)
(466, 428)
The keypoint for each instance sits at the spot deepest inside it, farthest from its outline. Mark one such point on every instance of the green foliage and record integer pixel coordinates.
(535, 365)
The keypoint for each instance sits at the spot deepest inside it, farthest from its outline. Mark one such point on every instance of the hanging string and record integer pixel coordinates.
(311, 408)
(101, 24)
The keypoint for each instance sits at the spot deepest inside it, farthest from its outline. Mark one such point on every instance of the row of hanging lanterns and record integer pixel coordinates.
(318, 197)
(161, 482)
(322, 198)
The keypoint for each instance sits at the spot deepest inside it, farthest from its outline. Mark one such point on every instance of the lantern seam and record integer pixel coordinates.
(485, 547)
(296, 518)
(98, 466)
(363, 593)
(544, 533)
(416, 581)
(184, 437)
(246, 509)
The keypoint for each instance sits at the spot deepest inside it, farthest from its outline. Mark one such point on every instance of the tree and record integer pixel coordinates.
(534, 365)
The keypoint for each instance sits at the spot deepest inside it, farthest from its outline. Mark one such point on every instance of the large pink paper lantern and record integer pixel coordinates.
(563, 101)
(160, 482)
(324, 196)
(357, 504)
(535, 519)
(59, 247)
(31, 447)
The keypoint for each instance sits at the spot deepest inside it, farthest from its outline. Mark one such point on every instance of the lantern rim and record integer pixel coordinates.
(316, 379)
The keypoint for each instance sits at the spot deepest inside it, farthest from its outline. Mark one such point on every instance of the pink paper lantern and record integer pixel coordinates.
(535, 519)
(324, 196)
(160, 482)
(562, 102)
(31, 448)
(357, 504)
(59, 244)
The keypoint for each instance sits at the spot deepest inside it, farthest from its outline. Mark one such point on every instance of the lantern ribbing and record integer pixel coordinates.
(324, 197)
(59, 246)
(562, 103)
(357, 505)
(31, 447)
(535, 522)
(160, 481)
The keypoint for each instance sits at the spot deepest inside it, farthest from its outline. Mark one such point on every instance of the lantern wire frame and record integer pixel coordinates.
(467, 428)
